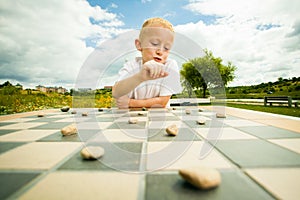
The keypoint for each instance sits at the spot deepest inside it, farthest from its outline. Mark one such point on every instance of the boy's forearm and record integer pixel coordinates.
(124, 86)
(148, 103)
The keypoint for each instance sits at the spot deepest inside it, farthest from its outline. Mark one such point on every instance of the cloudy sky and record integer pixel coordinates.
(48, 42)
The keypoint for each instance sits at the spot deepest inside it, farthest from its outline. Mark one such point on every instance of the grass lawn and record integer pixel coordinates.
(283, 110)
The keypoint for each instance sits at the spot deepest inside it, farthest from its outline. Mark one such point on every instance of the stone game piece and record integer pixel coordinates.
(65, 109)
(40, 114)
(172, 130)
(201, 177)
(84, 114)
(220, 115)
(74, 112)
(144, 109)
(100, 109)
(188, 111)
(69, 130)
(200, 110)
(201, 122)
(141, 114)
(92, 152)
(132, 121)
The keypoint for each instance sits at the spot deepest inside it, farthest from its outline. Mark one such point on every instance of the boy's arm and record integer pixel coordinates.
(151, 70)
(160, 102)
(124, 86)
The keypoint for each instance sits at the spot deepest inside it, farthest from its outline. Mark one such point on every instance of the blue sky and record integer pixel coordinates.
(48, 42)
(134, 12)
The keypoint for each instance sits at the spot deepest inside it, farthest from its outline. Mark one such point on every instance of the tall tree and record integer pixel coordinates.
(206, 72)
(194, 79)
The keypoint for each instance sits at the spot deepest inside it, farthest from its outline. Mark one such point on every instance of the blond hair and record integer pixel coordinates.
(158, 21)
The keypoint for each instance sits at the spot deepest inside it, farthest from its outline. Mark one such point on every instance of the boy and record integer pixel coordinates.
(149, 81)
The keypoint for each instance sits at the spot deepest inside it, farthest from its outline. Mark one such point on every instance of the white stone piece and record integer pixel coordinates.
(201, 122)
(132, 121)
(201, 177)
(172, 130)
(220, 115)
(69, 130)
(92, 152)
(84, 114)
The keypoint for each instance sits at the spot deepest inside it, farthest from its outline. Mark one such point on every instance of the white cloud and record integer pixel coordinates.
(145, 1)
(113, 5)
(102, 66)
(260, 37)
(44, 42)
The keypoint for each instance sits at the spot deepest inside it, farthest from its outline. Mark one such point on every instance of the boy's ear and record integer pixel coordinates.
(138, 44)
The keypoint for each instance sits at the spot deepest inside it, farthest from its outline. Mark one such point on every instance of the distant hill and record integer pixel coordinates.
(284, 87)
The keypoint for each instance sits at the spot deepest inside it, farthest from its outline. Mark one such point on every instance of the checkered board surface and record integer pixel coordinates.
(256, 161)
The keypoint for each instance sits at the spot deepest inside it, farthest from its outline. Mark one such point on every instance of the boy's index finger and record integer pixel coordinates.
(165, 74)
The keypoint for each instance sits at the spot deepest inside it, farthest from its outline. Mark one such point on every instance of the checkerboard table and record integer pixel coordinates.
(256, 160)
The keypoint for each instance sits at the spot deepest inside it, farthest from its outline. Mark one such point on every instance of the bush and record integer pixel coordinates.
(17, 103)
(10, 90)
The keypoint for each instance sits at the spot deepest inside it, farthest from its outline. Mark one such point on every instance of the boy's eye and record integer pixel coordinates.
(167, 47)
(154, 43)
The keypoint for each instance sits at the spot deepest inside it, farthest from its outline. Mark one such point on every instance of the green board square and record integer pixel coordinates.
(163, 118)
(235, 185)
(6, 131)
(258, 153)
(208, 124)
(53, 125)
(106, 119)
(12, 182)
(45, 119)
(82, 135)
(184, 134)
(6, 146)
(5, 123)
(126, 125)
(269, 132)
(117, 156)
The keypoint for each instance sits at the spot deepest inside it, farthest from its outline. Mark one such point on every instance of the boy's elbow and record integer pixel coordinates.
(164, 104)
(165, 101)
(113, 93)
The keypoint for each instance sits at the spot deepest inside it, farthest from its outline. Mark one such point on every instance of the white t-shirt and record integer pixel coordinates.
(153, 88)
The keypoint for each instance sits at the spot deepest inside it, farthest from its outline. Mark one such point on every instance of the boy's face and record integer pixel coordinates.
(155, 44)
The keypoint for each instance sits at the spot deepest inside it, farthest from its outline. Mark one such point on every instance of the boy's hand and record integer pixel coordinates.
(123, 102)
(153, 70)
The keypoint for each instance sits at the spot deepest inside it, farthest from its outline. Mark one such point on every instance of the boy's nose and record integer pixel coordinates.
(159, 50)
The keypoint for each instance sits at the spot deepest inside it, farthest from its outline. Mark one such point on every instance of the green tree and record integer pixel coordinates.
(191, 78)
(206, 72)
(10, 90)
(7, 83)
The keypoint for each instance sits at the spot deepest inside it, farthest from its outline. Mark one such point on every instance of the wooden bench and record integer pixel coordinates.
(279, 100)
